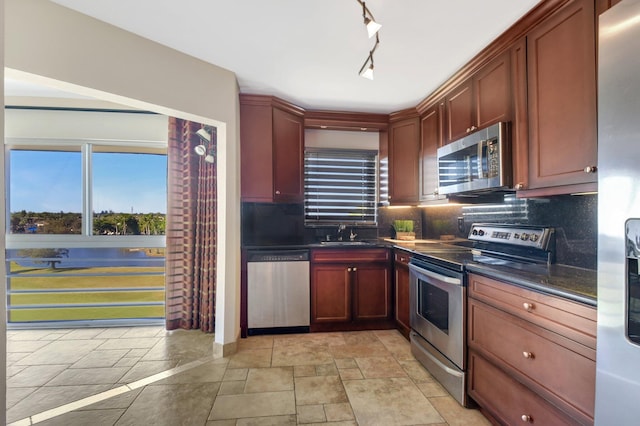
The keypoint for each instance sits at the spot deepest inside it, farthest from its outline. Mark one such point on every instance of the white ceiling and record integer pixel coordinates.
(309, 52)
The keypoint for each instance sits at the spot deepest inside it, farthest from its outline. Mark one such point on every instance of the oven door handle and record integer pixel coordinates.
(435, 275)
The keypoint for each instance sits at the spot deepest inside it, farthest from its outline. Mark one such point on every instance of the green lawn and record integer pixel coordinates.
(59, 290)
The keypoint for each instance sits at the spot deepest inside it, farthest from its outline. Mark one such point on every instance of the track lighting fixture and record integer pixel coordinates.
(372, 26)
(372, 29)
(205, 135)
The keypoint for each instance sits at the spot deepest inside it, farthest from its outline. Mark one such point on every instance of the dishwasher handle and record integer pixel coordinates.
(278, 256)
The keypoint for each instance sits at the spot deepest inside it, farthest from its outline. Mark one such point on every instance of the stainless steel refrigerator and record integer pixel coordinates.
(618, 350)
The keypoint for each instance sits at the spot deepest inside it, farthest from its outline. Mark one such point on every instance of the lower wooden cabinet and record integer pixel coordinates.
(401, 275)
(532, 357)
(350, 289)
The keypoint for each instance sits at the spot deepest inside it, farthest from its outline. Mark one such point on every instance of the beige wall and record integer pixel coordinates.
(55, 46)
(3, 272)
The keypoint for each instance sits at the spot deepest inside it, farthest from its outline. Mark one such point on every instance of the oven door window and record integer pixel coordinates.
(433, 305)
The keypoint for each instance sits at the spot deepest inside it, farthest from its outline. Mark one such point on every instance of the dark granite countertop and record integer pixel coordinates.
(565, 281)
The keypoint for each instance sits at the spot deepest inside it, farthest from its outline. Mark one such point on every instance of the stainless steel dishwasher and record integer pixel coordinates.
(278, 291)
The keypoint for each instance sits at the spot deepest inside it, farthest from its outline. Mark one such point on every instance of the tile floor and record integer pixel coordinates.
(146, 375)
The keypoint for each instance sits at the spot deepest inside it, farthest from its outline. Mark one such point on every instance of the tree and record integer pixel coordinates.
(45, 255)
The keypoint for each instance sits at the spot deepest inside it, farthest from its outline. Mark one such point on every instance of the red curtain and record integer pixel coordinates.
(190, 230)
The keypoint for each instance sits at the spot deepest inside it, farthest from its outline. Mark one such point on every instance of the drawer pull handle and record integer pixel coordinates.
(528, 306)
(527, 418)
(527, 355)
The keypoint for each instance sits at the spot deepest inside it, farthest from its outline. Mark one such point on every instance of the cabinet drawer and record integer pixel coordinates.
(350, 255)
(536, 356)
(571, 319)
(507, 400)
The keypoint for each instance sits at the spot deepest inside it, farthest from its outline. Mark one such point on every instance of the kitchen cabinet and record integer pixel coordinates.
(271, 150)
(431, 123)
(561, 80)
(482, 100)
(404, 146)
(539, 348)
(401, 281)
(350, 289)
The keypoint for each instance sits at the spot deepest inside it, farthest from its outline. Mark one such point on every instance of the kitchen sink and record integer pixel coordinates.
(345, 243)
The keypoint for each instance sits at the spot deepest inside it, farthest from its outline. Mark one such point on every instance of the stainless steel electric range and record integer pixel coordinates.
(438, 291)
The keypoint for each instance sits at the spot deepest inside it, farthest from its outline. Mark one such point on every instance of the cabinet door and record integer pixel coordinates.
(562, 97)
(520, 121)
(330, 293)
(256, 152)
(403, 161)
(402, 293)
(492, 93)
(459, 105)
(430, 141)
(372, 292)
(288, 157)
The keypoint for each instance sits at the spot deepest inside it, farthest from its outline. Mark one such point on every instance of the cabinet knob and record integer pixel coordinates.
(436, 191)
(527, 355)
(519, 186)
(528, 306)
(473, 128)
(355, 269)
(527, 418)
(590, 169)
(468, 129)
(277, 192)
(348, 269)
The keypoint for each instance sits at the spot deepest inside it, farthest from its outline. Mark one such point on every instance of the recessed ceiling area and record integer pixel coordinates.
(309, 52)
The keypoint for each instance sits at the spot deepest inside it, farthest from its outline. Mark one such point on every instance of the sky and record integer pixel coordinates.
(51, 181)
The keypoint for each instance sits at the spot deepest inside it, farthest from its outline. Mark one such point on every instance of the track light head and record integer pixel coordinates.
(372, 26)
(209, 158)
(204, 134)
(367, 72)
(200, 149)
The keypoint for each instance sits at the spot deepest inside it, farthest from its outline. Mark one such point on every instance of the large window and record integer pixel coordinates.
(340, 187)
(85, 238)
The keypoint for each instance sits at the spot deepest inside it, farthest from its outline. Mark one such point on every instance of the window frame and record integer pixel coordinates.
(311, 223)
(85, 239)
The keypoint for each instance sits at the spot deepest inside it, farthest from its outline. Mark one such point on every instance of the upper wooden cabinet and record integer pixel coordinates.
(404, 146)
(271, 150)
(562, 100)
(430, 140)
(480, 101)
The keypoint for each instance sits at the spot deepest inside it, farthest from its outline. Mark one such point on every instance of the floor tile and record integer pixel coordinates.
(144, 342)
(338, 412)
(83, 418)
(233, 374)
(112, 333)
(326, 370)
(373, 349)
(456, 415)
(179, 404)
(35, 375)
(416, 371)
(311, 414)
(304, 370)
(26, 345)
(97, 359)
(15, 395)
(360, 338)
(319, 390)
(46, 398)
(269, 380)
(88, 376)
(231, 422)
(82, 334)
(254, 358)
(387, 402)
(207, 373)
(300, 355)
(12, 370)
(431, 389)
(350, 374)
(231, 388)
(146, 369)
(268, 421)
(123, 400)
(346, 363)
(185, 345)
(377, 367)
(61, 352)
(255, 342)
(253, 405)
(136, 332)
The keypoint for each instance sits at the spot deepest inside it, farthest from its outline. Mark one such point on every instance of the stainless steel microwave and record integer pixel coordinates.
(479, 162)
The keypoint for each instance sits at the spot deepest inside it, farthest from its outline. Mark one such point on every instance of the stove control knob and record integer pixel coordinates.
(475, 232)
(524, 237)
(481, 232)
(534, 237)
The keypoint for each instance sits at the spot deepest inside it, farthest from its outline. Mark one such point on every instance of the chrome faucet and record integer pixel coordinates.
(352, 236)
(341, 228)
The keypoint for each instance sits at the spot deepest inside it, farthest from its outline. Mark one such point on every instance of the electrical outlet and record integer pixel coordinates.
(461, 227)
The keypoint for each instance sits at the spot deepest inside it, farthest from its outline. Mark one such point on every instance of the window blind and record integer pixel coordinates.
(340, 187)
